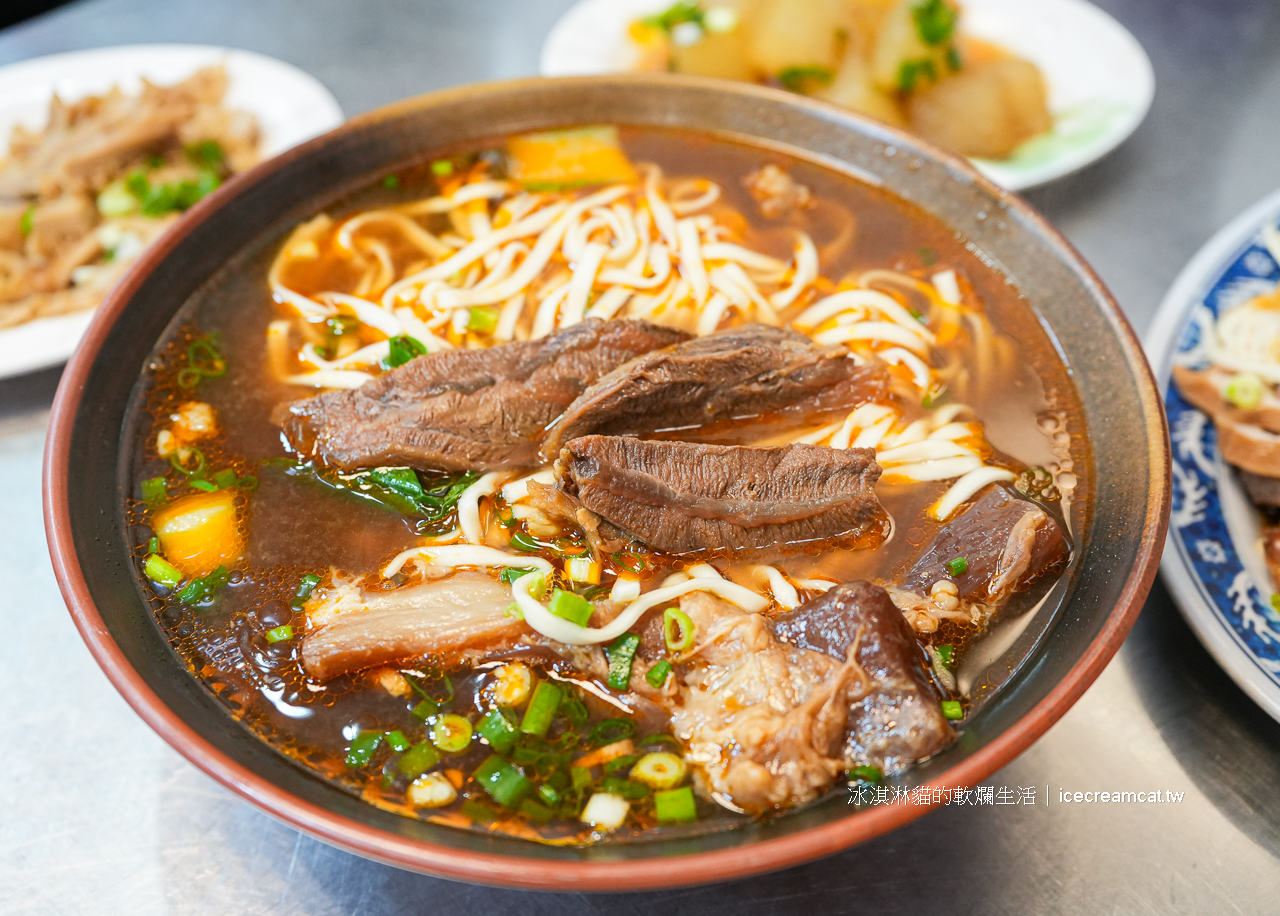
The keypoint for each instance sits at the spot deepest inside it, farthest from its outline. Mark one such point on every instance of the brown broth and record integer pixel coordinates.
(293, 529)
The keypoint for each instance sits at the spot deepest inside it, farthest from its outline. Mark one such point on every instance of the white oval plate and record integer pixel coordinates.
(291, 106)
(1100, 80)
(1213, 561)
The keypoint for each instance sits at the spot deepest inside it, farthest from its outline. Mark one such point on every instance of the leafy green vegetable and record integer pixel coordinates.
(798, 79)
(403, 349)
(398, 489)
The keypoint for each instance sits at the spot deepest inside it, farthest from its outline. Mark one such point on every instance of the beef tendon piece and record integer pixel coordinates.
(350, 628)
(1007, 543)
(899, 720)
(764, 720)
(465, 409)
(744, 372)
(692, 499)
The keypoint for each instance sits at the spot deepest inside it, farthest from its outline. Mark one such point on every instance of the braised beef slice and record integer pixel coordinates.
(465, 409)
(742, 372)
(901, 720)
(1007, 543)
(689, 498)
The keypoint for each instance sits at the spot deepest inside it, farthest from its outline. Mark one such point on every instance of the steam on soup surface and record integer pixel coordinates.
(601, 481)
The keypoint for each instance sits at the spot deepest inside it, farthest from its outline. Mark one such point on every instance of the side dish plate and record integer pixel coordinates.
(291, 106)
(1213, 560)
(1100, 80)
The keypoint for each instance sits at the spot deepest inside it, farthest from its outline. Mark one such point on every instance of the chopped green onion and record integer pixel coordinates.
(571, 607)
(391, 182)
(798, 79)
(536, 811)
(442, 167)
(952, 709)
(619, 763)
(28, 221)
(935, 21)
(677, 14)
(616, 785)
(621, 653)
(675, 806)
(541, 709)
(479, 812)
(180, 463)
(204, 588)
(362, 748)
(207, 153)
(512, 573)
(280, 634)
(154, 492)
(153, 545)
(248, 483)
(576, 710)
(957, 567)
(403, 349)
(678, 629)
(953, 58)
(581, 777)
(1275, 601)
(306, 585)
(548, 794)
(116, 200)
(482, 320)
(658, 674)
(610, 731)
(945, 654)
(660, 770)
(161, 571)
(503, 781)
(498, 730)
(397, 740)
(867, 773)
(451, 733)
(522, 541)
(417, 760)
(631, 562)
(225, 479)
(426, 709)
(204, 485)
(1245, 390)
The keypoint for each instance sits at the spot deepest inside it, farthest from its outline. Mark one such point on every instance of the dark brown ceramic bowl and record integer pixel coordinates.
(1055, 660)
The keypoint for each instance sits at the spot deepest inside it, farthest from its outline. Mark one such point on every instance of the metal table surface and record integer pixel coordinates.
(101, 817)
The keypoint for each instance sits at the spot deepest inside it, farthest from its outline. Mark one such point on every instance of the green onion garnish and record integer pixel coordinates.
(542, 708)
(417, 760)
(306, 585)
(482, 320)
(1244, 390)
(610, 731)
(154, 492)
(280, 634)
(479, 811)
(945, 654)
(28, 221)
(403, 349)
(205, 588)
(204, 485)
(180, 463)
(498, 730)
(426, 709)
(451, 733)
(397, 740)
(657, 675)
(957, 567)
(522, 541)
(536, 811)
(548, 794)
(621, 653)
(952, 709)
(391, 182)
(867, 773)
(226, 479)
(362, 748)
(580, 776)
(203, 361)
(442, 167)
(675, 806)
(678, 629)
(571, 607)
(631, 562)
(935, 21)
(503, 781)
(798, 79)
(161, 571)
(616, 785)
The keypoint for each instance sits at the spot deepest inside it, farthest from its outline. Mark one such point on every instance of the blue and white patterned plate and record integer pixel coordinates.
(1213, 561)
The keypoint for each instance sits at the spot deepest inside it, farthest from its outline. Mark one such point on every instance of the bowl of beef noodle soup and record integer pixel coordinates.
(525, 483)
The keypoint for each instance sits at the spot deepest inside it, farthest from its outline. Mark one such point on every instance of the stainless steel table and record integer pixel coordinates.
(100, 817)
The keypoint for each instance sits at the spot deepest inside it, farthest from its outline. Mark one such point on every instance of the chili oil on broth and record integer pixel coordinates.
(291, 528)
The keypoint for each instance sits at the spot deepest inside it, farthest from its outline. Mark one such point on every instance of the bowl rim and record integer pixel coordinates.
(753, 857)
